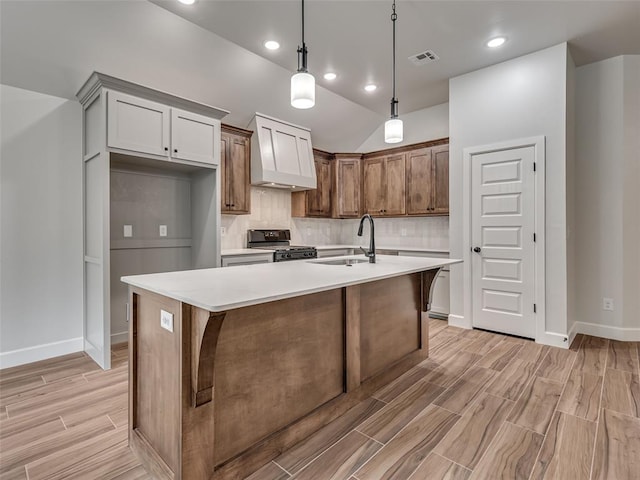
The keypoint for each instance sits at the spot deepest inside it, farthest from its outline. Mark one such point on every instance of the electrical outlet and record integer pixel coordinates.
(403, 232)
(223, 231)
(308, 231)
(166, 320)
(163, 230)
(128, 231)
(607, 304)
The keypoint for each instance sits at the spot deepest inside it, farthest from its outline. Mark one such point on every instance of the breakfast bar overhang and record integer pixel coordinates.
(229, 367)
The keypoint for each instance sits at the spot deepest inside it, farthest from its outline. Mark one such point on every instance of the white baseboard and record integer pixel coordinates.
(607, 331)
(554, 339)
(40, 352)
(459, 321)
(121, 337)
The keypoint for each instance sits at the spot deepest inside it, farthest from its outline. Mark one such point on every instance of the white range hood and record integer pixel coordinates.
(281, 154)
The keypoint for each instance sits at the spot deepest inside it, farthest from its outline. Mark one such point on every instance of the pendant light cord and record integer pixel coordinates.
(394, 17)
(302, 51)
(394, 101)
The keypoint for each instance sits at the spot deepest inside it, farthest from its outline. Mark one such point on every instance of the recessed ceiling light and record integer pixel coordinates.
(187, 2)
(496, 42)
(370, 88)
(271, 45)
(330, 76)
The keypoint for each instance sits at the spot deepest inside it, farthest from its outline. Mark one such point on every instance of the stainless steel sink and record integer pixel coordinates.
(342, 261)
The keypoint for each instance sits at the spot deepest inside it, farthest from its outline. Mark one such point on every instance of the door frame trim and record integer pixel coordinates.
(538, 142)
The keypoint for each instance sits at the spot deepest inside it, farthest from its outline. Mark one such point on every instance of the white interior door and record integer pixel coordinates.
(502, 239)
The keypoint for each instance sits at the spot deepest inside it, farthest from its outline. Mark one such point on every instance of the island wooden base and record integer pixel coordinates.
(225, 393)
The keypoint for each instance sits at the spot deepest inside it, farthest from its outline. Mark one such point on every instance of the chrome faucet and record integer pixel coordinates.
(371, 253)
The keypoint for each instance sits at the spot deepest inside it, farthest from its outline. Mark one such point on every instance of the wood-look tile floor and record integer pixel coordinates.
(483, 406)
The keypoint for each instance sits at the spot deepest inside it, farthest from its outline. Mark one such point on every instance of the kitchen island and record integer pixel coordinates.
(230, 367)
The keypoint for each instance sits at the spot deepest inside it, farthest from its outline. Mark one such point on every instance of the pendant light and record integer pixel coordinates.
(393, 126)
(303, 85)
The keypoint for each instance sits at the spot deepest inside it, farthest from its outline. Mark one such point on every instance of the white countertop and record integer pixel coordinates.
(220, 289)
(253, 251)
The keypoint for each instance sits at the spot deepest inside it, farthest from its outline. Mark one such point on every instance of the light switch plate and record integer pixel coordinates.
(166, 320)
(128, 231)
(163, 230)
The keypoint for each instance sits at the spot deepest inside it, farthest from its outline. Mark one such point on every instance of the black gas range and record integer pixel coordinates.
(280, 242)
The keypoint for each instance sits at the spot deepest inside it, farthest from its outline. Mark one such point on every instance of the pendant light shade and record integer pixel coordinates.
(393, 131)
(303, 90)
(303, 85)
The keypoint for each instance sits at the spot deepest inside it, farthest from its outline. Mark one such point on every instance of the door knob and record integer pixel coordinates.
(477, 249)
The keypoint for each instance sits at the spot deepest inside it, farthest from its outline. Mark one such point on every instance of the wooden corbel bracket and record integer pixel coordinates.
(205, 330)
(428, 281)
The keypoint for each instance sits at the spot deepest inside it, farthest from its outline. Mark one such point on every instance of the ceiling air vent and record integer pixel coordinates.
(423, 58)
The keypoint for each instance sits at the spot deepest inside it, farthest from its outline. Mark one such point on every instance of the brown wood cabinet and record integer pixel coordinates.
(428, 181)
(235, 174)
(384, 185)
(407, 180)
(346, 201)
(440, 161)
(316, 203)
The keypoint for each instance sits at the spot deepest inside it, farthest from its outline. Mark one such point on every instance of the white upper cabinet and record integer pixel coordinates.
(281, 154)
(150, 128)
(194, 137)
(138, 125)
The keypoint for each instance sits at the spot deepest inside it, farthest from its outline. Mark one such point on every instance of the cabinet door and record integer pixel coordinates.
(419, 185)
(225, 154)
(396, 186)
(319, 200)
(347, 197)
(137, 125)
(194, 137)
(374, 185)
(440, 160)
(238, 175)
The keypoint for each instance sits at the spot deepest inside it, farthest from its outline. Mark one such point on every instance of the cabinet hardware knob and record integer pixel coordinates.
(166, 149)
(175, 150)
(477, 249)
(233, 204)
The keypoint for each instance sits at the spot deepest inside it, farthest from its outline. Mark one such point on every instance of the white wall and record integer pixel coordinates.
(419, 126)
(631, 198)
(519, 98)
(607, 186)
(41, 226)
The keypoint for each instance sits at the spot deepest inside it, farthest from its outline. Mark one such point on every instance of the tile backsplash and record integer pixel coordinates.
(271, 208)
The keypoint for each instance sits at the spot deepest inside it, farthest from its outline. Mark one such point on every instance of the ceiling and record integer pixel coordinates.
(353, 38)
(212, 52)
